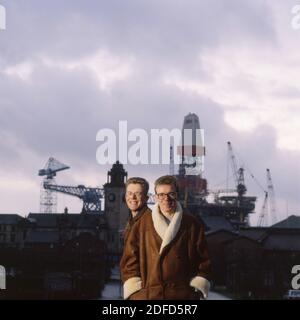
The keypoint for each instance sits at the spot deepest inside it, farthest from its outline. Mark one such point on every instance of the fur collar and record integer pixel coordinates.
(165, 231)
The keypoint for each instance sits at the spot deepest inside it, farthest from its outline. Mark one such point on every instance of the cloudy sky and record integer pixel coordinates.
(71, 68)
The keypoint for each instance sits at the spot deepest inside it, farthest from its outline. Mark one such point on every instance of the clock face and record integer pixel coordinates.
(111, 197)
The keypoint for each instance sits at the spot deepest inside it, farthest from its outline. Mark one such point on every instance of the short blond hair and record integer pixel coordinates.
(169, 180)
(138, 180)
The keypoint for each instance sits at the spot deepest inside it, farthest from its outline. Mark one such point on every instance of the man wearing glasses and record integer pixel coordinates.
(166, 256)
(136, 197)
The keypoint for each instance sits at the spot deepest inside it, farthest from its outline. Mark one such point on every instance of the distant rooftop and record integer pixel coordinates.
(51, 220)
(286, 242)
(253, 233)
(292, 222)
(213, 223)
(43, 219)
(10, 218)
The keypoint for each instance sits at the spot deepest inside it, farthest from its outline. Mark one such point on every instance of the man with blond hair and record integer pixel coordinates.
(136, 197)
(166, 255)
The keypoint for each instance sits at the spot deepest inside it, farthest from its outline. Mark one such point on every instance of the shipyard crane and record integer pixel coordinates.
(271, 197)
(264, 211)
(91, 197)
(48, 198)
(243, 204)
(269, 205)
(238, 173)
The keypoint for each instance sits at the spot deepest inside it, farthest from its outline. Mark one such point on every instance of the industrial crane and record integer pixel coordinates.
(238, 173)
(264, 211)
(269, 204)
(48, 198)
(242, 204)
(91, 197)
(272, 197)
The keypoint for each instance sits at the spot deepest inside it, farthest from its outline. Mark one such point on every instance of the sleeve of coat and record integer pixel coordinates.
(129, 264)
(202, 261)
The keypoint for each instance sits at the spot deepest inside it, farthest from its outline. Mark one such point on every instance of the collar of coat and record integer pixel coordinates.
(165, 231)
(140, 212)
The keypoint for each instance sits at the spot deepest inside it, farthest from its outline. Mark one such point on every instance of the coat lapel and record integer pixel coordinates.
(165, 231)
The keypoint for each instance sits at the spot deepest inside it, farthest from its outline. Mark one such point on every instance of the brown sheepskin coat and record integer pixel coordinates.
(162, 261)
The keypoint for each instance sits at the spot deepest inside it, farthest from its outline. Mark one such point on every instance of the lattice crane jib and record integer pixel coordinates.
(91, 197)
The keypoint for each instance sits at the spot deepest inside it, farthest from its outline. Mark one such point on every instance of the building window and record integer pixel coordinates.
(12, 237)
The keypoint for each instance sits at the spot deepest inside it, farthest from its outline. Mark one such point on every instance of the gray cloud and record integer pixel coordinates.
(168, 31)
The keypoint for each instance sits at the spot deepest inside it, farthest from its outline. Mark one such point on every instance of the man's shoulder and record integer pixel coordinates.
(143, 211)
(145, 216)
(148, 211)
(190, 219)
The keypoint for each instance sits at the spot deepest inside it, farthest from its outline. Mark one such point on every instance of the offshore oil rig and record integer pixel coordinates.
(233, 204)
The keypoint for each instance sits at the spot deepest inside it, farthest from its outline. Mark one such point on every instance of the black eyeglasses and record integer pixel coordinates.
(134, 194)
(163, 196)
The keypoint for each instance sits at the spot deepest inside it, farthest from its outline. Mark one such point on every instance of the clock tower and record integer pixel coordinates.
(116, 211)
